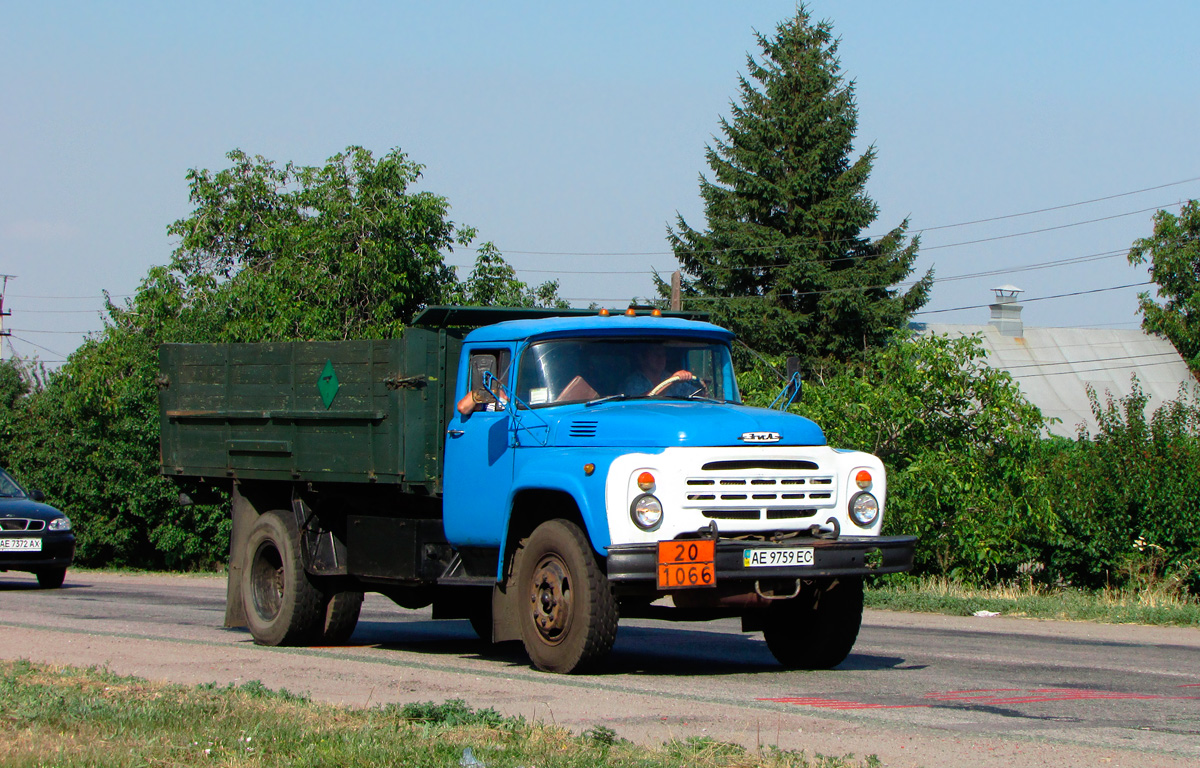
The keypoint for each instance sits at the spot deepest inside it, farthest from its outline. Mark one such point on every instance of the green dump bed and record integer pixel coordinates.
(340, 411)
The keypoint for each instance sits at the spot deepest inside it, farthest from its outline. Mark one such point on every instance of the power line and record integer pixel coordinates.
(1172, 354)
(1061, 207)
(65, 333)
(1038, 298)
(1102, 369)
(70, 298)
(836, 241)
(39, 346)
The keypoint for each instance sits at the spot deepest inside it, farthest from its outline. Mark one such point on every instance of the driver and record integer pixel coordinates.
(651, 371)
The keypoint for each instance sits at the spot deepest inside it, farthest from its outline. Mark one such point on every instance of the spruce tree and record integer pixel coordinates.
(784, 261)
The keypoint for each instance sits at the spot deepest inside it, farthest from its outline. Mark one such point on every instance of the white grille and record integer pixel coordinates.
(775, 490)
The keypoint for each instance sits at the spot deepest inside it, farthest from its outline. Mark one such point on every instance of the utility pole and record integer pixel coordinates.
(4, 312)
(676, 289)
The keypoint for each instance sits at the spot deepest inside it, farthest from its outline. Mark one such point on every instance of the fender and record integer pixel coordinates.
(562, 470)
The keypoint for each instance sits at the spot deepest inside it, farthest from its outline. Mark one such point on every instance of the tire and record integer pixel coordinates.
(568, 616)
(51, 578)
(817, 628)
(341, 616)
(283, 607)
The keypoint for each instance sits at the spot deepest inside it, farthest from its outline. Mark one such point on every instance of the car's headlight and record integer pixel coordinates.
(647, 512)
(864, 509)
(60, 524)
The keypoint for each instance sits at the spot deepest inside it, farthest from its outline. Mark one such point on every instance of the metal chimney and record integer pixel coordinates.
(1006, 312)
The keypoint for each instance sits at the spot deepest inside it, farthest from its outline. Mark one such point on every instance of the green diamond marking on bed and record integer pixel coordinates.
(327, 385)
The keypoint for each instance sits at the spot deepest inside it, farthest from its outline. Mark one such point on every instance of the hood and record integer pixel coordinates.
(27, 508)
(664, 424)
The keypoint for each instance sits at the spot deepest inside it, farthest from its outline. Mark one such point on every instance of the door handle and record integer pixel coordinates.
(455, 432)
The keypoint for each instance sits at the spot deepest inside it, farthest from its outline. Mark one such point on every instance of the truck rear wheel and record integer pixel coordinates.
(568, 616)
(341, 616)
(282, 606)
(817, 628)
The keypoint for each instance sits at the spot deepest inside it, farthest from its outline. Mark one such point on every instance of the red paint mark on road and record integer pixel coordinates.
(985, 697)
(837, 703)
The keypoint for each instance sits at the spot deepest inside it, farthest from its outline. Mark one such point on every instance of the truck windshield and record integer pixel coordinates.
(582, 370)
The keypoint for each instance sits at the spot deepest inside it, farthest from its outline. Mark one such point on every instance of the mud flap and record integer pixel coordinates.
(504, 614)
(244, 514)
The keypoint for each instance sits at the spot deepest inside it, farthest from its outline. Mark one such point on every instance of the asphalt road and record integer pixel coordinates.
(918, 690)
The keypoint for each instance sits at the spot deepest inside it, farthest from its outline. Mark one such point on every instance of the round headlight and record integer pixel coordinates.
(647, 512)
(864, 509)
(60, 524)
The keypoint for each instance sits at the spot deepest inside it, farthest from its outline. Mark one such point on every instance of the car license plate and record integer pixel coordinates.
(775, 558)
(20, 545)
(686, 564)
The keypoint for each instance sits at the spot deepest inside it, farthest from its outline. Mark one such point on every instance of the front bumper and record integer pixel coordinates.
(58, 550)
(844, 556)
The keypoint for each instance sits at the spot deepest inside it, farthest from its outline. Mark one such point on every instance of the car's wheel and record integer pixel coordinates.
(568, 615)
(282, 606)
(341, 616)
(817, 628)
(51, 578)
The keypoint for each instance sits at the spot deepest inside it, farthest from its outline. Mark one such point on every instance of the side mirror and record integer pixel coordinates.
(36, 495)
(792, 389)
(793, 374)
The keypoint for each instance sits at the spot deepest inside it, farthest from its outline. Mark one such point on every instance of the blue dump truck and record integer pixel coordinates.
(541, 473)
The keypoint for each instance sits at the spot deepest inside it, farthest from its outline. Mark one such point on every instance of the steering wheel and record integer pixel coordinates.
(662, 385)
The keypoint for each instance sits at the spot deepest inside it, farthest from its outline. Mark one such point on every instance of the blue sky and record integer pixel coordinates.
(567, 133)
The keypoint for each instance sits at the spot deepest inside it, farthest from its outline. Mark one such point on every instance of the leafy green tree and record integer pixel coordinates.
(493, 283)
(1173, 252)
(783, 260)
(270, 253)
(1127, 495)
(338, 251)
(960, 444)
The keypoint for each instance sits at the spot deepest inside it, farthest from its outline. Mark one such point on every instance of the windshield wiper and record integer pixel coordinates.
(608, 399)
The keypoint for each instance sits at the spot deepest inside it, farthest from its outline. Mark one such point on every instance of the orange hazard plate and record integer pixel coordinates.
(683, 564)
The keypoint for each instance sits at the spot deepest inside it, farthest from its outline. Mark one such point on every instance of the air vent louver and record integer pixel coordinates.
(583, 428)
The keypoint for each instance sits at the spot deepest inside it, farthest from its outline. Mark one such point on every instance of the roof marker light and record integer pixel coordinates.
(656, 312)
(604, 313)
(631, 312)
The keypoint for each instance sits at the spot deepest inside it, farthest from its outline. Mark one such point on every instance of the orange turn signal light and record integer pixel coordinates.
(604, 313)
(645, 481)
(863, 478)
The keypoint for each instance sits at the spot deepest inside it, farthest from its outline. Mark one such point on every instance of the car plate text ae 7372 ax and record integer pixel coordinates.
(689, 563)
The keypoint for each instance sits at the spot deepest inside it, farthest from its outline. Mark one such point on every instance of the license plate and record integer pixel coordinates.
(686, 564)
(775, 558)
(20, 545)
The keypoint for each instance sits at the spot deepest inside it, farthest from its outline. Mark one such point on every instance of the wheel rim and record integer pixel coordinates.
(266, 575)
(551, 599)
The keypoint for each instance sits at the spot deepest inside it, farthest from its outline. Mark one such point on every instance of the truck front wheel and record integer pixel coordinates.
(568, 615)
(282, 606)
(817, 628)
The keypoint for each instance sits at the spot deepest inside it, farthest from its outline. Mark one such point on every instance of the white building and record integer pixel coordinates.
(1053, 366)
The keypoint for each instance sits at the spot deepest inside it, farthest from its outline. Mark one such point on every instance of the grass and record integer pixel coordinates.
(68, 717)
(1158, 606)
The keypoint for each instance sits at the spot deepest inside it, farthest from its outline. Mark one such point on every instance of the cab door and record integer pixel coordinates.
(478, 470)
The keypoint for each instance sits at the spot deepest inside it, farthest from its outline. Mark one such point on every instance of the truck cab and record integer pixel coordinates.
(626, 437)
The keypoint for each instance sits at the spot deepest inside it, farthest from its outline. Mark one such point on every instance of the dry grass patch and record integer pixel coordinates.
(71, 718)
